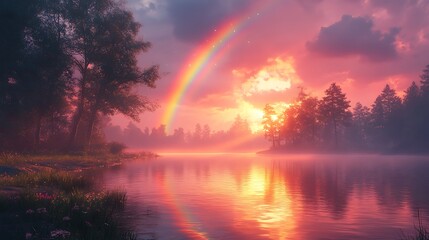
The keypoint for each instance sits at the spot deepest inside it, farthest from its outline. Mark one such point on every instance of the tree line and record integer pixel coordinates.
(237, 137)
(63, 66)
(390, 124)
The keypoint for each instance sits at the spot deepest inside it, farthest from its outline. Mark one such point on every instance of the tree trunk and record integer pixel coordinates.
(78, 115)
(93, 117)
(313, 133)
(75, 125)
(335, 134)
(274, 141)
(91, 122)
(36, 142)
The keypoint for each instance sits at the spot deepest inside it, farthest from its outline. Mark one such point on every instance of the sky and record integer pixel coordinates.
(223, 58)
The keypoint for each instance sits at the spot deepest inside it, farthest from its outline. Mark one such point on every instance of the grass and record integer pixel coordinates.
(75, 215)
(61, 180)
(58, 160)
(52, 198)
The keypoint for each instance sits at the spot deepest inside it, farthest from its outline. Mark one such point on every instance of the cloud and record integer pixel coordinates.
(276, 76)
(193, 20)
(392, 6)
(355, 36)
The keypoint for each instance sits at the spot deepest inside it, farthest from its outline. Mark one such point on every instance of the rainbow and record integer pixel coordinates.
(183, 218)
(213, 49)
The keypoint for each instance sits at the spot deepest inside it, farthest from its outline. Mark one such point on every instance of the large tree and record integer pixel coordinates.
(307, 117)
(35, 80)
(414, 133)
(334, 110)
(106, 47)
(386, 119)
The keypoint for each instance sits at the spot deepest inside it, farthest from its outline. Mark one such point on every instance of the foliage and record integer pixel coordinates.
(116, 148)
(64, 65)
(63, 180)
(333, 111)
(50, 204)
(75, 215)
(271, 123)
(389, 125)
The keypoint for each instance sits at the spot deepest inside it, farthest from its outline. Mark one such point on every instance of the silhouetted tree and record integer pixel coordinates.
(360, 126)
(36, 80)
(205, 134)
(424, 80)
(49, 66)
(105, 48)
(239, 128)
(307, 117)
(197, 135)
(272, 125)
(413, 134)
(291, 131)
(386, 119)
(133, 134)
(178, 137)
(334, 111)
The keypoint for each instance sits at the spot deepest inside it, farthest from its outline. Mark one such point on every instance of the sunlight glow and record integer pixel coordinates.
(272, 203)
(277, 75)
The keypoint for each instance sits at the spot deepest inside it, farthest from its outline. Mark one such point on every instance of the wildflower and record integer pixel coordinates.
(88, 224)
(28, 235)
(60, 233)
(44, 196)
(29, 211)
(41, 210)
(66, 218)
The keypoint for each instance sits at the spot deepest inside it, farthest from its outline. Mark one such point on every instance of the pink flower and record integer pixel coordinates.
(60, 233)
(41, 210)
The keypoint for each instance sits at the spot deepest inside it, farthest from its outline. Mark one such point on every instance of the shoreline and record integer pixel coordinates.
(52, 196)
(340, 152)
(12, 164)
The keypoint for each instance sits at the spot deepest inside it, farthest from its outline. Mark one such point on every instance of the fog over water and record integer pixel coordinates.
(252, 196)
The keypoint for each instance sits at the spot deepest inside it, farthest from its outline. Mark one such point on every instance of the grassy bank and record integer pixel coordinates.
(49, 196)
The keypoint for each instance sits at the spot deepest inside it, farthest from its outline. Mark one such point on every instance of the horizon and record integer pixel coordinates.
(211, 85)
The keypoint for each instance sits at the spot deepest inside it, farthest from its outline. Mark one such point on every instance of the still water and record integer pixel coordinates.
(249, 196)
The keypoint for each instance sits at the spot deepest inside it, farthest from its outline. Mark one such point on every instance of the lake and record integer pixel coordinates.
(250, 196)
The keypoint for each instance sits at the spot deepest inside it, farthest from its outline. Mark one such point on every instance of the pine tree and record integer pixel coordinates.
(361, 121)
(424, 80)
(386, 119)
(333, 110)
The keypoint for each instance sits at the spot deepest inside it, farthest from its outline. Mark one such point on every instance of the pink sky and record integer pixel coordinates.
(359, 44)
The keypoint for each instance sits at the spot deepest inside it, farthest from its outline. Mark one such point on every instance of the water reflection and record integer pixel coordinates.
(233, 196)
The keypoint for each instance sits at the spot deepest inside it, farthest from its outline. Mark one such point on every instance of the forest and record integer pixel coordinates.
(238, 136)
(391, 124)
(68, 65)
(64, 65)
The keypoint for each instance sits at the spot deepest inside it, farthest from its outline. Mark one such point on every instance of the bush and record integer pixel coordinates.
(116, 148)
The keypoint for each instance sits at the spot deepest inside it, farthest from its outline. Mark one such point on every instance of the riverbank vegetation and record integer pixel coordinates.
(50, 196)
(392, 124)
(65, 67)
